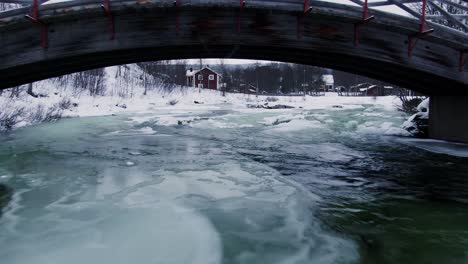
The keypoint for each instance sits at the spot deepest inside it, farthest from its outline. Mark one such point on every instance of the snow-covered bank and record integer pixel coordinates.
(181, 98)
(121, 89)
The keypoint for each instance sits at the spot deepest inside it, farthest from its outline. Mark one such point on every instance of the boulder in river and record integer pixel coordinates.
(266, 106)
(418, 124)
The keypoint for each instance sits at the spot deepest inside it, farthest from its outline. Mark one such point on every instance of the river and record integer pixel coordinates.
(230, 186)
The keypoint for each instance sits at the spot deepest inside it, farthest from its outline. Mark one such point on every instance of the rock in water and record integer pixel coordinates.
(266, 106)
(279, 107)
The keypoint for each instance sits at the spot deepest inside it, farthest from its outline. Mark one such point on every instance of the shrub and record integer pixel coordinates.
(9, 118)
(173, 102)
(271, 99)
(410, 105)
(65, 104)
(43, 114)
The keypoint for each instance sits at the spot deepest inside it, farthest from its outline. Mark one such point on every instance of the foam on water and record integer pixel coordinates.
(297, 124)
(176, 218)
(164, 233)
(195, 201)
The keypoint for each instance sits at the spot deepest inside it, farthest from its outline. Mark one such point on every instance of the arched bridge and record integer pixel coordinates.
(42, 41)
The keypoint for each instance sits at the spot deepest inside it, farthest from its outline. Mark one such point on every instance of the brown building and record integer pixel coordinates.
(205, 78)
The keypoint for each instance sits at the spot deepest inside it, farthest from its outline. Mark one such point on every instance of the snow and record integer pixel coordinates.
(190, 73)
(297, 124)
(424, 107)
(118, 98)
(390, 9)
(367, 88)
(124, 94)
(55, 1)
(328, 79)
(423, 114)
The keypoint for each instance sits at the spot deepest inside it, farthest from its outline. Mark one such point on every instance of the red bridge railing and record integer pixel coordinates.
(452, 13)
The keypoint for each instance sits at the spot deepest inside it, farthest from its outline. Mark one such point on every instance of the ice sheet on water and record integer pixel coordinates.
(132, 132)
(219, 122)
(164, 233)
(283, 118)
(327, 152)
(336, 153)
(380, 128)
(292, 122)
(438, 146)
(298, 124)
(177, 216)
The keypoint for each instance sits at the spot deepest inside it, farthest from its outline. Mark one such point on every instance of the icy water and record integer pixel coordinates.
(227, 186)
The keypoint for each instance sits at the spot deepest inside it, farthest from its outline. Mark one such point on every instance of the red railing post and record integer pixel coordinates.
(35, 9)
(423, 16)
(35, 19)
(176, 5)
(413, 39)
(107, 9)
(241, 8)
(365, 19)
(462, 60)
(306, 9)
(366, 10)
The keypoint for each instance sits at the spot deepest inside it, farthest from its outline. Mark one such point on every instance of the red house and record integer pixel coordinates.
(205, 78)
(373, 90)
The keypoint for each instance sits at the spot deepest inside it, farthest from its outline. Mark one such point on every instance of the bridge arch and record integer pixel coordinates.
(80, 36)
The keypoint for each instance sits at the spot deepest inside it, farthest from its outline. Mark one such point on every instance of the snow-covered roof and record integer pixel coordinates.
(328, 79)
(192, 73)
(367, 88)
(206, 67)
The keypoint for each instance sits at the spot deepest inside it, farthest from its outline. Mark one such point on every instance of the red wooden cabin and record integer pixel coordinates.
(205, 78)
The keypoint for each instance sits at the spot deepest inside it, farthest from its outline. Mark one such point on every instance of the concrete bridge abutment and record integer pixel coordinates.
(448, 118)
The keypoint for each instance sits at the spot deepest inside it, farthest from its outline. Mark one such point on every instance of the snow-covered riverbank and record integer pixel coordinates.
(63, 101)
(180, 98)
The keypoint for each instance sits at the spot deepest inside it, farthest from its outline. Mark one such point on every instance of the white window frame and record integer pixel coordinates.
(211, 77)
(200, 77)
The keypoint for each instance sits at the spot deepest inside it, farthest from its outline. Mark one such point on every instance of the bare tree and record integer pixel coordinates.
(7, 6)
(437, 10)
(91, 80)
(409, 100)
(224, 73)
(30, 90)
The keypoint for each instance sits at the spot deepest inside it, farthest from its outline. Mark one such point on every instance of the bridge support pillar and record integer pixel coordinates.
(448, 118)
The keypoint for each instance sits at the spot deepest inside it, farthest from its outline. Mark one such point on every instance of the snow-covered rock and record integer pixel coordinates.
(418, 123)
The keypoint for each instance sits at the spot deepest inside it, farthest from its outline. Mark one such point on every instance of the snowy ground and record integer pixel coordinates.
(82, 104)
(185, 99)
